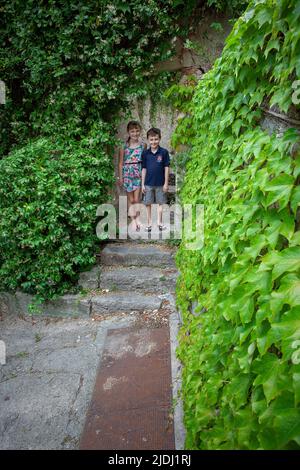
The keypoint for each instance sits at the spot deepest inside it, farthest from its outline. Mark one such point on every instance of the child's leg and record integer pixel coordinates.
(160, 199)
(136, 200)
(149, 200)
(130, 199)
(149, 215)
(159, 214)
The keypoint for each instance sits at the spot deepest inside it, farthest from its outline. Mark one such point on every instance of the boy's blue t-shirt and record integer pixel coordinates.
(155, 164)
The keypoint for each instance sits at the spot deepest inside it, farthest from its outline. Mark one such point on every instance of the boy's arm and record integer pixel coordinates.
(166, 185)
(167, 171)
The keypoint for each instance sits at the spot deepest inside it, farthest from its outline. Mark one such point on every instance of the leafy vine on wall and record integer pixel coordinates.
(241, 346)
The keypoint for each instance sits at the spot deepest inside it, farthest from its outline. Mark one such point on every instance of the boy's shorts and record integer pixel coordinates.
(157, 191)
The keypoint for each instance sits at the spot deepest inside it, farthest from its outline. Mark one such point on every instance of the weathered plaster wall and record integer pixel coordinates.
(209, 45)
(152, 115)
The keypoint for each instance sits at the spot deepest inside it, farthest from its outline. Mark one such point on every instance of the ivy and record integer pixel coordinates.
(240, 347)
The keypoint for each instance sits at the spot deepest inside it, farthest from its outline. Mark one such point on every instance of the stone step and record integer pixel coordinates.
(134, 254)
(147, 279)
(116, 302)
(90, 279)
(69, 305)
(79, 306)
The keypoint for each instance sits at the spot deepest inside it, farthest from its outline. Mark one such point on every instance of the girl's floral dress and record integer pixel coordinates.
(132, 168)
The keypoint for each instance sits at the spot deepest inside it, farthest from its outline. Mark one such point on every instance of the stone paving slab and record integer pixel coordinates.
(149, 279)
(130, 407)
(124, 302)
(27, 423)
(69, 305)
(134, 254)
(47, 381)
(90, 279)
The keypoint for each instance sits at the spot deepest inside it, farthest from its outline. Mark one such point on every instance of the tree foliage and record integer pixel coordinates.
(69, 65)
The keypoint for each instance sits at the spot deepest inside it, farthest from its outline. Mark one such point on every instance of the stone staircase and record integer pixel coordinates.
(131, 276)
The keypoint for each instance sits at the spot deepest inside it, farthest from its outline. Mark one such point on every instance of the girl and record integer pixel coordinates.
(130, 167)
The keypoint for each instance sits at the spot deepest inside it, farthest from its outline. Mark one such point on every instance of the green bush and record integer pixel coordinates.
(241, 345)
(49, 192)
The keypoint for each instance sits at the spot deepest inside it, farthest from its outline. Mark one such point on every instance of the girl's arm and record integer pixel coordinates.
(144, 171)
(121, 159)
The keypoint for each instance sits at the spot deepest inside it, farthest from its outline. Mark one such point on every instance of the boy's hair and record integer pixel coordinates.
(154, 131)
(133, 124)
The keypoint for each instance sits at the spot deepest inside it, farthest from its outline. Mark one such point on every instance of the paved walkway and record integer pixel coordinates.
(131, 406)
(69, 383)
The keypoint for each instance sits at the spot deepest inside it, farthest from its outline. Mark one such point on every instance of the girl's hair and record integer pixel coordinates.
(132, 124)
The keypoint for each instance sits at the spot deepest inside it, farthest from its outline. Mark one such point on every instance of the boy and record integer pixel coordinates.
(155, 176)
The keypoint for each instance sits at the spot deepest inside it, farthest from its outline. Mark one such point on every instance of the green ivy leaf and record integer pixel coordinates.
(280, 189)
(295, 199)
(236, 126)
(295, 240)
(287, 426)
(289, 293)
(296, 386)
(264, 16)
(289, 325)
(286, 261)
(270, 371)
(272, 44)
